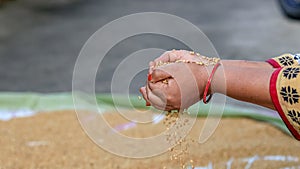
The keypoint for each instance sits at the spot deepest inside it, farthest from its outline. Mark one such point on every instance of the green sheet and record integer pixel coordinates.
(64, 101)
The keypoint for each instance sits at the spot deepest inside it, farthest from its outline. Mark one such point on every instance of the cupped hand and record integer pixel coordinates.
(175, 86)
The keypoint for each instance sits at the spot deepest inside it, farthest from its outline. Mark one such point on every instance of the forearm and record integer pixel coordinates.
(246, 64)
(244, 80)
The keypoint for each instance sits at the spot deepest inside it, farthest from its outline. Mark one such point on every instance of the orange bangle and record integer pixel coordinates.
(209, 83)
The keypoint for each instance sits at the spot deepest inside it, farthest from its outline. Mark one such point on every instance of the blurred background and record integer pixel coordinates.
(39, 44)
(40, 40)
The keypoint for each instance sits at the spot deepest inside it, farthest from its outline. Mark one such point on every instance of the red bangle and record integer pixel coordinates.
(209, 83)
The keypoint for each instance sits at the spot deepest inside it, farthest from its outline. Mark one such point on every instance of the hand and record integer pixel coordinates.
(184, 87)
(185, 81)
(177, 55)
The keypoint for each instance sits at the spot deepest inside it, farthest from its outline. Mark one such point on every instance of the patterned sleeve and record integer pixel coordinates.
(285, 93)
(285, 60)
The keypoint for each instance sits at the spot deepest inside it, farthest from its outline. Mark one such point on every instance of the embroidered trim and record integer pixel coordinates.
(275, 100)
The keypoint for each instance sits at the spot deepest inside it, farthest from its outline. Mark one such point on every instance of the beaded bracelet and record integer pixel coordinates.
(209, 83)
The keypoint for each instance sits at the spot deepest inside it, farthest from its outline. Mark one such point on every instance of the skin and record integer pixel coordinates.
(245, 81)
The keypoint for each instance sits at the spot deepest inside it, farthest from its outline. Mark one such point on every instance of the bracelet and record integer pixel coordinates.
(209, 83)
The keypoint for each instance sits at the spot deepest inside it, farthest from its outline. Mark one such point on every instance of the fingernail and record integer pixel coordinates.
(149, 77)
(148, 104)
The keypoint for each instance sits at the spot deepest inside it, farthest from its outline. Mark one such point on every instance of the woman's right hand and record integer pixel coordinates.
(185, 81)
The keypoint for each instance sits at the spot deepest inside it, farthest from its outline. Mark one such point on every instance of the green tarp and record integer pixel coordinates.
(10, 101)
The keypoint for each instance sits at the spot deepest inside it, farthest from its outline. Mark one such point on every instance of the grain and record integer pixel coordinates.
(206, 61)
(180, 152)
(165, 81)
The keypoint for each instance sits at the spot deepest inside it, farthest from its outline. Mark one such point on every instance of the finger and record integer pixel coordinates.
(154, 99)
(159, 89)
(159, 75)
(162, 73)
(159, 107)
(163, 58)
(169, 56)
(151, 67)
(144, 94)
(157, 86)
(166, 108)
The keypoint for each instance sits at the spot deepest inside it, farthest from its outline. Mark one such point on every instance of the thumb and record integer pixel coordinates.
(159, 75)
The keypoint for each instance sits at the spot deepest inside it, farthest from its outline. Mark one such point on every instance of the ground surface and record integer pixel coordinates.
(39, 43)
(55, 140)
